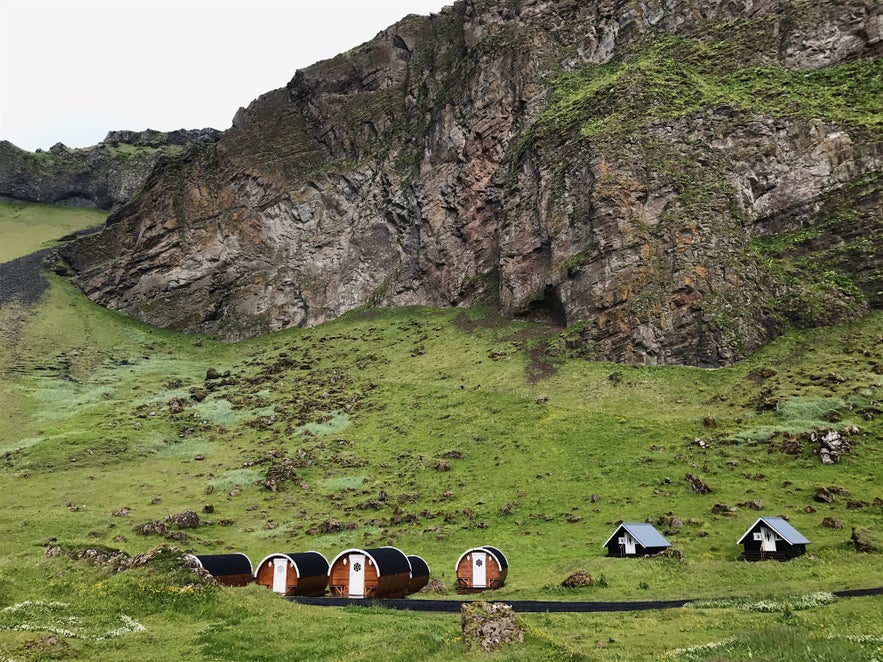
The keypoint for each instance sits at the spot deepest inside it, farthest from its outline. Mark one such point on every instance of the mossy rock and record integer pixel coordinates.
(489, 625)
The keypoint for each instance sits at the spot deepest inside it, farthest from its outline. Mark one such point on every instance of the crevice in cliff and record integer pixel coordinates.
(548, 309)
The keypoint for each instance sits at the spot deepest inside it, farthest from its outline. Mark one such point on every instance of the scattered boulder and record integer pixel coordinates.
(489, 625)
(280, 472)
(832, 523)
(667, 553)
(185, 520)
(866, 540)
(157, 527)
(435, 586)
(49, 646)
(579, 579)
(723, 509)
(824, 495)
(699, 486)
(112, 558)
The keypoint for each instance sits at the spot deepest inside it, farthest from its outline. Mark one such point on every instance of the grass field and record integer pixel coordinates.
(27, 227)
(428, 430)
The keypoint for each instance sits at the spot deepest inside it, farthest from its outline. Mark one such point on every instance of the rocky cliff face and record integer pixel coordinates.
(101, 176)
(673, 181)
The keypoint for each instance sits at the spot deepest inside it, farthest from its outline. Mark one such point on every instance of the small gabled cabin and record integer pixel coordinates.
(419, 574)
(480, 569)
(226, 569)
(633, 539)
(381, 572)
(302, 573)
(772, 538)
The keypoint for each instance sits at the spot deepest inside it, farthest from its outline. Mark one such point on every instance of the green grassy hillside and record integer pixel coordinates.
(27, 228)
(434, 431)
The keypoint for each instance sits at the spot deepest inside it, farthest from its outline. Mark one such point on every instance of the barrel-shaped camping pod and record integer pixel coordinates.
(381, 572)
(419, 573)
(481, 568)
(302, 573)
(226, 569)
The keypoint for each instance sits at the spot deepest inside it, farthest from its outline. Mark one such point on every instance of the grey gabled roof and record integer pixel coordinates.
(787, 532)
(645, 534)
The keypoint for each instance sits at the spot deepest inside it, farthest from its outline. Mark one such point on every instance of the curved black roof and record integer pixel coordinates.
(501, 558)
(308, 564)
(390, 560)
(419, 567)
(219, 565)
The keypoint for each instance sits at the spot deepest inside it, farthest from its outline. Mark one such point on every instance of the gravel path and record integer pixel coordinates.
(453, 606)
(22, 279)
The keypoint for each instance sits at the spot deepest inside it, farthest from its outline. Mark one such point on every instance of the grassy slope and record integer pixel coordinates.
(27, 227)
(371, 404)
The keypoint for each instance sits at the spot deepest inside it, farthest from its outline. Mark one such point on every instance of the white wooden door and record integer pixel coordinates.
(768, 544)
(280, 575)
(479, 569)
(357, 575)
(629, 544)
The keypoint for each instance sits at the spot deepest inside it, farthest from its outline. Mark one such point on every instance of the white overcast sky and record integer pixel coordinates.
(71, 70)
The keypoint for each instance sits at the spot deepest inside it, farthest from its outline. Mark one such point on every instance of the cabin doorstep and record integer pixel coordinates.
(634, 539)
(381, 572)
(772, 538)
(299, 573)
(226, 569)
(480, 569)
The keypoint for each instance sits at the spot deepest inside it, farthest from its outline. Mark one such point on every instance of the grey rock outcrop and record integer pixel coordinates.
(102, 176)
(651, 175)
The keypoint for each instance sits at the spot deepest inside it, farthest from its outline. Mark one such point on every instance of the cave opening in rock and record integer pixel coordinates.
(548, 309)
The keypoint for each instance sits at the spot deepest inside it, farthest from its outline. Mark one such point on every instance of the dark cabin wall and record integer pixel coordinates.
(616, 550)
(784, 551)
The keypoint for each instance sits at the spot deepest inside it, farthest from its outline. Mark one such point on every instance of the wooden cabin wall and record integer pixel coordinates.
(264, 575)
(234, 580)
(339, 578)
(493, 574)
(305, 586)
(311, 587)
(416, 583)
(393, 586)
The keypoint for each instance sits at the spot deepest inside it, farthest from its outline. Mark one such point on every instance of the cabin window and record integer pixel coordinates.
(758, 536)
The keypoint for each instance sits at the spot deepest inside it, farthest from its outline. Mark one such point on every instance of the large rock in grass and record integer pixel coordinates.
(867, 540)
(489, 625)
